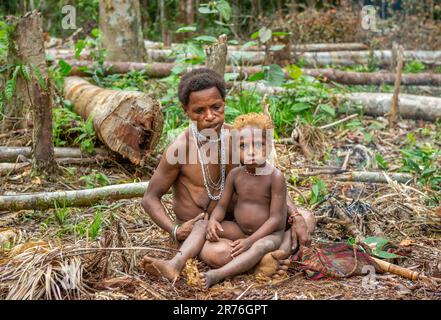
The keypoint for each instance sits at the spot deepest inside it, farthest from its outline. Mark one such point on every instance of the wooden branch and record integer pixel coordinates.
(394, 108)
(76, 198)
(11, 154)
(373, 177)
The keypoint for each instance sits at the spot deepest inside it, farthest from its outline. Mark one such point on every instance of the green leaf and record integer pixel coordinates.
(95, 32)
(327, 109)
(277, 47)
(37, 74)
(206, 10)
(274, 75)
(195, 50)
(255, 35)
(65, 67)
(79, 46)
(386, 255)
(224, 9)
(300, 106)
(26, 72)
(204, 38)
(265, 34)
(293, 71)
(257, 76)
(381, 162)
(248, 44)
(10, 84)
(186, 29)
(280, 33)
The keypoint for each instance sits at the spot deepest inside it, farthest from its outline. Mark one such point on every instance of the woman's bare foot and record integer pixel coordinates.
(273, 264)
(159, 267)
(207, 279)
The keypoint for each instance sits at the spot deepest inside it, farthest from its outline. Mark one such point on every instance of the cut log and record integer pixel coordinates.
(127, 122)
(313, 47)
(373, 104)
(75, 198)
(370, 78)
(162, 69)
(411, 106)
(10, 154)
(380, 57)
(310, 59)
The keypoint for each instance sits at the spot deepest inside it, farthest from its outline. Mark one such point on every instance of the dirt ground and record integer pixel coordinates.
(108, 267)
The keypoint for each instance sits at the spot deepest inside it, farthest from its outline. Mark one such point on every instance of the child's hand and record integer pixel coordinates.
(212, 229)
(239, 246)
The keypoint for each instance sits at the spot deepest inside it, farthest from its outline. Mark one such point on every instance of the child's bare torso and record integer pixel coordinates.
(252, 208)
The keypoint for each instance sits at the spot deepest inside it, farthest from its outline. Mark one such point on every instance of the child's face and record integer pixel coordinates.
(206, 108)
(252, 146)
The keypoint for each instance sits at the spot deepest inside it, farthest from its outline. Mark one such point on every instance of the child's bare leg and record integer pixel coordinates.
(275, 263)
(189, 249)
(244, 261)
(217, 254)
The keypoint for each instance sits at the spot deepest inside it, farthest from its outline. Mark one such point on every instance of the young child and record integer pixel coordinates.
(260, 211)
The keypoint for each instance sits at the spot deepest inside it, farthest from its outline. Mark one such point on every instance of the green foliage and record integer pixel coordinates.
(377, 245)
(70, 129)
(414, 66)
(95, 179)
(318, 190)
(382, 164)
(424, 161)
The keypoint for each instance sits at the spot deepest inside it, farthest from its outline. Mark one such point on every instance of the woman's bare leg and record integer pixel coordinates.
(190, 248)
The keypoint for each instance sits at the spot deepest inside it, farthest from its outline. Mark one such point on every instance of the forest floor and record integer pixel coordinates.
(88, 241)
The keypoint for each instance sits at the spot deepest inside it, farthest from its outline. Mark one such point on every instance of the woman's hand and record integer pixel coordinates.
(239, 246)
(213, 227)
(185, 229)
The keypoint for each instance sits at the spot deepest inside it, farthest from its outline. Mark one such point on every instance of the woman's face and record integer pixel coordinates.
(206, 108)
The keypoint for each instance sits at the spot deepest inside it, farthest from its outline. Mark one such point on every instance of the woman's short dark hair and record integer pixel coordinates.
(197, 80)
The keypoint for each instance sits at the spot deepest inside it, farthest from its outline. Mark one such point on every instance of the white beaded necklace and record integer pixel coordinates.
(197, 136)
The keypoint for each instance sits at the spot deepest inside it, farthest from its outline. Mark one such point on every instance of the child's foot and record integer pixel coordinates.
(158, 267)
(273, 264)
(207, 279)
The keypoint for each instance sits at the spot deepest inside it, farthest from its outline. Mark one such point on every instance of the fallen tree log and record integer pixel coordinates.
(373, 104)
(314, 47)
(127, 122)
(12, 168)
(310, 59)
(162, 69)
(74, 198)
(381, 57)
(373, 78)
(10, 154)
(411, 106)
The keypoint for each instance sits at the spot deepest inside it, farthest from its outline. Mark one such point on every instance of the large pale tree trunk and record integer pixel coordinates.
(35, 93)
(120, 24)
(128, 122)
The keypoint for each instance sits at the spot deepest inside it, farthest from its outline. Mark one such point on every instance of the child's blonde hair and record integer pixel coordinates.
(258, 120)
